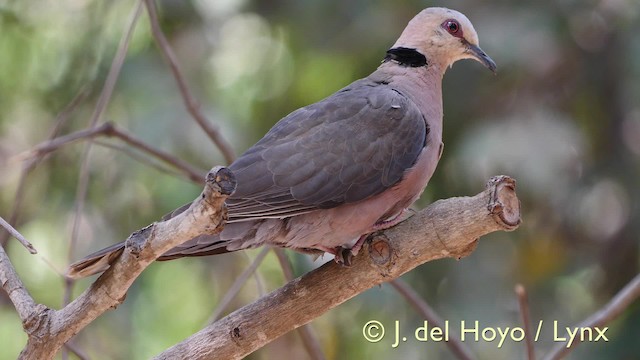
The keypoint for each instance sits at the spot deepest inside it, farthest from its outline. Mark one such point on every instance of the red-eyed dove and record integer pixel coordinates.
(332, 172)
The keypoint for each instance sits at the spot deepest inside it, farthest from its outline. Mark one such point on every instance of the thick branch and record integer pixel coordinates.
(447, 228)
(50, 329)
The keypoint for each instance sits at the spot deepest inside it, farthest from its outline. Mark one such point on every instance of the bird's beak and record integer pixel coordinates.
(484, 59)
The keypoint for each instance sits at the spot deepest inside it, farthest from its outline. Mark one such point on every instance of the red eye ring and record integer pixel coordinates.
(453, 27)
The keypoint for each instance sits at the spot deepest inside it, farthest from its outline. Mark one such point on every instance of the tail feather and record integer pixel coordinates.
(101, 260)
(235, 236)
(95, 263)
(213, 248)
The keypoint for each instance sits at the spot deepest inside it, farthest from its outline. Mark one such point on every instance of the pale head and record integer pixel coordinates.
(443, 36)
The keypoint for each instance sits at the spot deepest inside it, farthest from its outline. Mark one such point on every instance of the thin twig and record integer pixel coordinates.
(149, 161)
(259, 284)
(28, 166)
(18, 236)
(287, 270)
(111, 130)
(310, 342)
(58, 142)
(65, 114)
(76, 350)
(194, 174)
(308, 337)
(190, 102)
(257, 276)
(17, 202)
(52, 266)
(116, 66)
(605, 315)
(526, 320)
(421, 306)
(237, 285)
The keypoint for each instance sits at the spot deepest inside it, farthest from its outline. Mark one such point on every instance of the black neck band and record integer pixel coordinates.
(406, 57)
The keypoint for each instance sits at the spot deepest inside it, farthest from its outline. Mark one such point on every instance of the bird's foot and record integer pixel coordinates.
(344, 256)
(385, 224)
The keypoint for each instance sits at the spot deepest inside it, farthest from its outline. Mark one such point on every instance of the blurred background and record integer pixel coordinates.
(562, 117)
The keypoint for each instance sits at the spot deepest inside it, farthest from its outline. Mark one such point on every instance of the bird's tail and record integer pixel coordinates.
(95, 263)
(101, 260)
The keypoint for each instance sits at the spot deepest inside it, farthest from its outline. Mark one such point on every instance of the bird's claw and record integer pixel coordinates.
(344, 257)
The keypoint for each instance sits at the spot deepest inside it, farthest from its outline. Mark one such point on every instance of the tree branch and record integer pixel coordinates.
(111, 130)
(17, 235)
(447, 228)
(610, 311)
(49, 329)
(147, 160)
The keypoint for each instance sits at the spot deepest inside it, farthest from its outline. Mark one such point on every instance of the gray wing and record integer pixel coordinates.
(343, 149)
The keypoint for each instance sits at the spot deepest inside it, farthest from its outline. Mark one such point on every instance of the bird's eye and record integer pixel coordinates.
(453, 27)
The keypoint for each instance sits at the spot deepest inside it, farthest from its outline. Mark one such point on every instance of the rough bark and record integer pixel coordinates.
(447, 228)
(49, 329)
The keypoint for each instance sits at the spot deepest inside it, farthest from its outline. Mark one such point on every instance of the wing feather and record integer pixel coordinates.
(343, 149)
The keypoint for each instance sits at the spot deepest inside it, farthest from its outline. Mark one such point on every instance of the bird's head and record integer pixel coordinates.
(442, 36)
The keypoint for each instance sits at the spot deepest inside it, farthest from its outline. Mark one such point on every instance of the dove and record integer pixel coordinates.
(330, 173)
